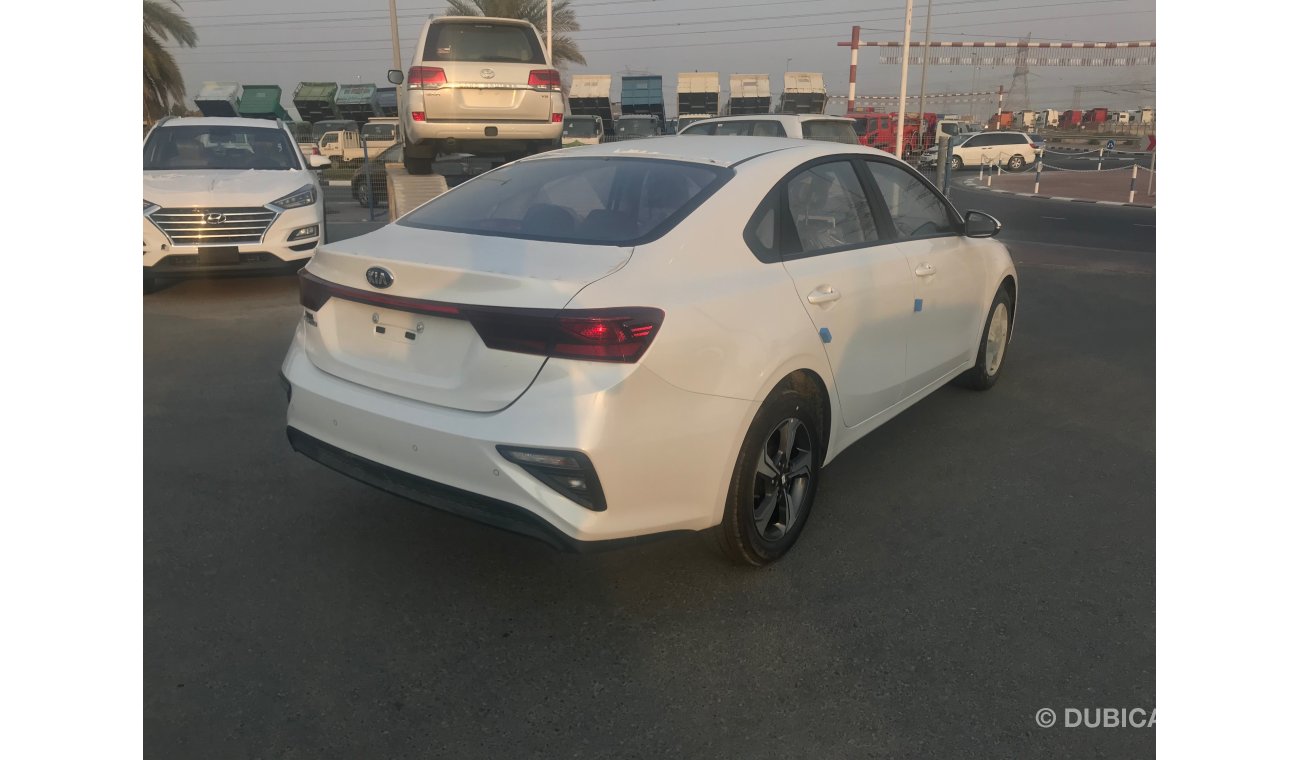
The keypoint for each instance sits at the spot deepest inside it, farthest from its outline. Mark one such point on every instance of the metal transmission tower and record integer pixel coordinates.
(1018, 94)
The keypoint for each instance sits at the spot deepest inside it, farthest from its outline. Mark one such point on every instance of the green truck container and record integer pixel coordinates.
(358, 101)
(315, 101)
(262, 101)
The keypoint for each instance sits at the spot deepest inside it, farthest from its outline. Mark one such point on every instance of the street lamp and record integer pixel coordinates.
(787, 65)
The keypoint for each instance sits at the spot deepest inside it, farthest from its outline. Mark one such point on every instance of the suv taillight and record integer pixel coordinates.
(426, 76)
(544, 79)
(602, 335)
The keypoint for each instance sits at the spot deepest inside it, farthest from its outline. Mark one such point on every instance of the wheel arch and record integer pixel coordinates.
(809, 384)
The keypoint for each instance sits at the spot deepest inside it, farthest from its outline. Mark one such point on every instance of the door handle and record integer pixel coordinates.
(925, 270)
(823, 294)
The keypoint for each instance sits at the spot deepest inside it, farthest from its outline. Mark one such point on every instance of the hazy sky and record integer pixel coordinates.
(347, 41)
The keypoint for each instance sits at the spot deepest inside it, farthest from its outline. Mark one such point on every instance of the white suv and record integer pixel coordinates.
(482, 86)
(1014, 150)
(227, 195)
(798, 126)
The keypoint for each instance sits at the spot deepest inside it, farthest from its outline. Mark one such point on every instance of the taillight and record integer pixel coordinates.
(417, 116)
(315, 151)
(556, 118)
(425, 76)
(601, 335)
(544, 79)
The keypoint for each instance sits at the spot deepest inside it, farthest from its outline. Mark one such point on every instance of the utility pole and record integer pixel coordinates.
(925, 66)
(548, 31)
(999, 124)
(902, 88)
(397, 64)
(853, 70)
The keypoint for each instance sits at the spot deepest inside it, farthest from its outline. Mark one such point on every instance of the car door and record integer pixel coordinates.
(854, 284)
(974, 150)
(948, 311)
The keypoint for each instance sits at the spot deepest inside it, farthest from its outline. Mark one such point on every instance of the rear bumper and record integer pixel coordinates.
(664, 456)
(478, 130)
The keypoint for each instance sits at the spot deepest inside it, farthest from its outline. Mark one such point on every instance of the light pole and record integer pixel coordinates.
(902, 88)
(548, 31)
(787, 65)
(397, 64)
(925, 66)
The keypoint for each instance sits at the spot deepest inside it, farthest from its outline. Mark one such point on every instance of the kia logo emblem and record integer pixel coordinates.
(379, 277)
(214, 218)
(487, 73)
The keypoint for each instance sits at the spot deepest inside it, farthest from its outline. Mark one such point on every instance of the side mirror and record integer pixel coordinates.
(395, 76)
(981, 225)
(319, 162)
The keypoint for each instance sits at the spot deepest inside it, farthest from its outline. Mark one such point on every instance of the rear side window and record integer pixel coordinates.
(700, 129)
(830, 131)
(486, 43)
(751, 128)
(598, 201)
(829, 209)
(916, 210)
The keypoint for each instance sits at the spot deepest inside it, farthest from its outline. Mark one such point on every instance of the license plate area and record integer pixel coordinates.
(219, 255)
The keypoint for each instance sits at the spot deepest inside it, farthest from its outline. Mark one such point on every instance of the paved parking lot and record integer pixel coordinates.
(978, 558)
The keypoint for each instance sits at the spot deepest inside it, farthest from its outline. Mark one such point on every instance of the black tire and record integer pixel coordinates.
(955, 163)
(740, 536)
(416, 165)
(1016, 163)
(979, 377)
(362, 193)
(150, 284)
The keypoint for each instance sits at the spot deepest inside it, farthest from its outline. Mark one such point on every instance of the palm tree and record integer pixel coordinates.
(564, 49)
(163, 83)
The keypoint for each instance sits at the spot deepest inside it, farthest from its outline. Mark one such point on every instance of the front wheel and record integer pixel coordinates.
(993, 346)
(774, 482)
(955, 163)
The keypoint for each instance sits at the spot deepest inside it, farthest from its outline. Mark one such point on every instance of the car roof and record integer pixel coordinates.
(225, 121)
(797, 118)
(715, 150)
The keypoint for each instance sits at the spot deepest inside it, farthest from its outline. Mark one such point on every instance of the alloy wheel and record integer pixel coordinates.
(995, 344)
(784, 472)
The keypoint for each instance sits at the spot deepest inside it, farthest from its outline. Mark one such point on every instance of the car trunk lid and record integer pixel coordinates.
(412, 338)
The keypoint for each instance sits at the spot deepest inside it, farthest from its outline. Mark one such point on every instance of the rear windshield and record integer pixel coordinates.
(830, 131)
(219, 147)
(579, 128)
(485, 43)
(599, 201)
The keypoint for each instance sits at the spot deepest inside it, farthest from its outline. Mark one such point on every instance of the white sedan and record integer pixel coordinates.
(603, 343)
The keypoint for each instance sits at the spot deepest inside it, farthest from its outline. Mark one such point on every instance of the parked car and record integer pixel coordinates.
(1013, 150)
(227, 195)
(482, 86)
(930, 156)
(798, 126)
(372, 177)
(500, 353)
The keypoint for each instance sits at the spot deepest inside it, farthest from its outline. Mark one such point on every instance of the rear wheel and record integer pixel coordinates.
(363, 192)
(150, 284)
(1016, 163)
(774, 482)
(416, 165)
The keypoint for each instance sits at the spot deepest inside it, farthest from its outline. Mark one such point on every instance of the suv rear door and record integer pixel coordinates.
(488, 72)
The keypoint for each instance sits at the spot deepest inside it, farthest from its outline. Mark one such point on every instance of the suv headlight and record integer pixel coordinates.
(303, 196)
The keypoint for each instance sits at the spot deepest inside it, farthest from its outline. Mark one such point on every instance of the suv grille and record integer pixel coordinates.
(213, 226)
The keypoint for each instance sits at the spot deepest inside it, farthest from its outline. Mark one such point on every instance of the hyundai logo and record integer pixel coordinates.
(214, 218)
(379, 277)
(487, 73)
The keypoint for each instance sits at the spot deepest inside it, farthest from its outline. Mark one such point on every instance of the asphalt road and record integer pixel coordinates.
(980, 557)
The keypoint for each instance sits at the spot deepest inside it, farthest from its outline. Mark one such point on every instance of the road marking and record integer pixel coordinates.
(1058, 218)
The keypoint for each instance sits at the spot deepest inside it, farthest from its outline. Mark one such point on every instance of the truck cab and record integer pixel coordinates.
(636, 126)
(379, 134)
(343, 146)
(582, 130)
